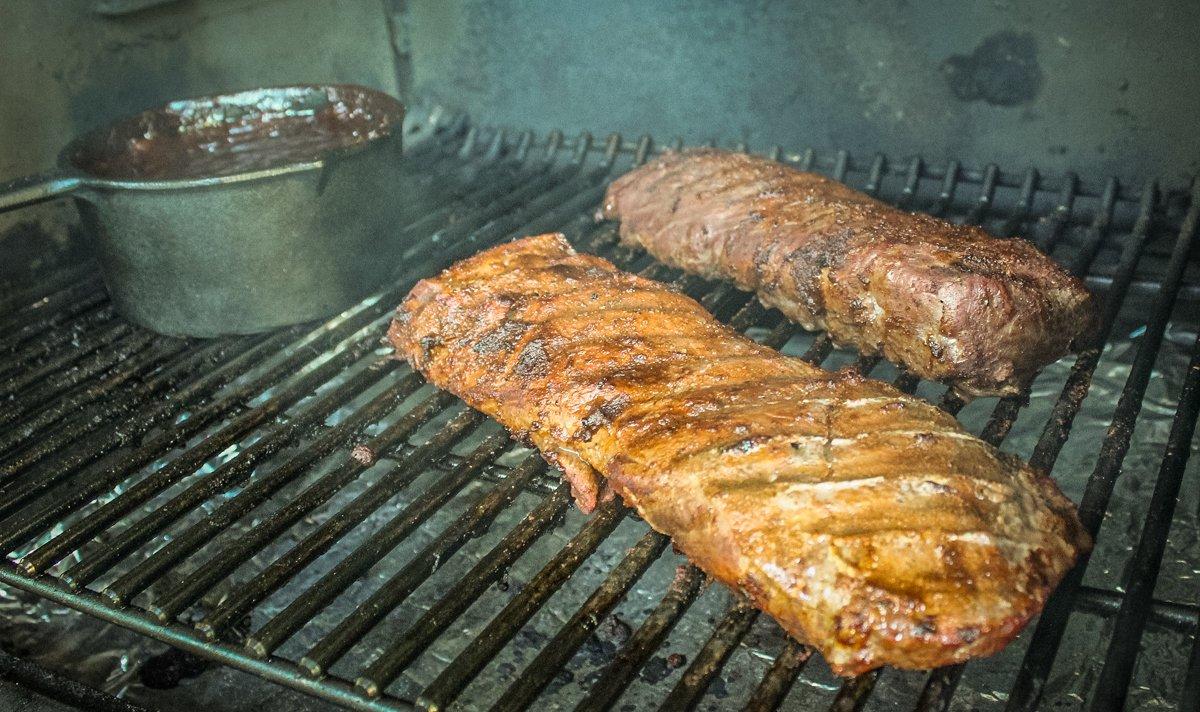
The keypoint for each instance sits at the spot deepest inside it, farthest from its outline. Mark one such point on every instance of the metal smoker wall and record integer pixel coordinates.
(1102, 88)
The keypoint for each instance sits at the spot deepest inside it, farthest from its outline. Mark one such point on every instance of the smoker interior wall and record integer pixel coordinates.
(1103, 88)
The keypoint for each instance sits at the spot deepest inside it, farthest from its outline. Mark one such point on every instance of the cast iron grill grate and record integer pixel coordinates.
(300, 506)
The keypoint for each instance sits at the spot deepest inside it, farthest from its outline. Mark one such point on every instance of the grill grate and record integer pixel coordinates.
(300, 506)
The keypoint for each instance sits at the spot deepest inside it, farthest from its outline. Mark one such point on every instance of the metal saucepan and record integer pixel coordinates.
(237, 213)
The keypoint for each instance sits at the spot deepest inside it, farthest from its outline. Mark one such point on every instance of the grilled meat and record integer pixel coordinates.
(866, 521)
(949, 302)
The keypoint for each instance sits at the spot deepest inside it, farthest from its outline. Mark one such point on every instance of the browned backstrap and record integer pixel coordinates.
(866, 521)
(949, 302)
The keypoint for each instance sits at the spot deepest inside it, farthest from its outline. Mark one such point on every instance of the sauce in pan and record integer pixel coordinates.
(238, 133)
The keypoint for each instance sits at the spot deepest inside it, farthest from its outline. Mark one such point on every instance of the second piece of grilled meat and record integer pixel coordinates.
(949, 302)
(866, 521)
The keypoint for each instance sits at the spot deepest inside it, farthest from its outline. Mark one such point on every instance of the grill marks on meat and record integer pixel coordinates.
(950, 302)
(866, 521)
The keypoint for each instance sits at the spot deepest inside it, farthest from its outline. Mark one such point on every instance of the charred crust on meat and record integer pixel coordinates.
(428, 344)
(603, 414)
(533, 361)
(502, 338)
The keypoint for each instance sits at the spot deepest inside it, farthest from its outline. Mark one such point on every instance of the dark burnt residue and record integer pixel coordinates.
(601, 416)
(237, 133)
(1002, 71)
(533, 361)
(502, 338)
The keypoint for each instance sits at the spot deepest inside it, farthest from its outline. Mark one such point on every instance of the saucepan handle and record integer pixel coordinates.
(37, 188)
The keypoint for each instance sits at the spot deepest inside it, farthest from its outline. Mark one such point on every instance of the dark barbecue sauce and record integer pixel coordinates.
(238, 133)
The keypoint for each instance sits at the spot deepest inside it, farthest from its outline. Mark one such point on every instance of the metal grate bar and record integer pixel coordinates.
(222, 478)
(350, 631)
(875, 178)
(1058, 426)
(853, 695)
(619, 673)
(949, 186)
(39, 321)
(840, 166)
(138, 366)
(89, 483)
(987, 193)
(778, 681)
(84, 451)
(184, 465)
(1039, 657)
(807, 159)
(819, 350)
(1081, 261)
(1058, 220)
(45, 346)
(45, 297)
(88, 345)
(519, 610)
(407, 469)
(185, 639)
(1171, 615)
(586, 619)
(1024, 208)
(383, 540)
(262, 488)
(1113, 684)
(912, 181)
(708, 662)
(491, 567)
(341, 434)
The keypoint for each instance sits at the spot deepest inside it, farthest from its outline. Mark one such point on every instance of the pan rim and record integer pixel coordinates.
(67, 165)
